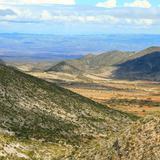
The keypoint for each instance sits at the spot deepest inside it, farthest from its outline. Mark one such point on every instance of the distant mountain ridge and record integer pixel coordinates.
(91, 62)
(144, 65)
(146, 52)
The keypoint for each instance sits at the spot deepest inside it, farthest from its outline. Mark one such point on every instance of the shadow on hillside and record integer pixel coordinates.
(142, 68)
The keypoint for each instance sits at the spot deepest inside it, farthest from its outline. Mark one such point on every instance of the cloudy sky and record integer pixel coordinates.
(80, 16)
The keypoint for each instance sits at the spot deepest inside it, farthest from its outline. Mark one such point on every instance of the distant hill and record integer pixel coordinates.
(145, 52)
(65, 67)
(145, 65)
(62, 47)
(40, 119)
(109, 59)
(91, 63)
(142, 65)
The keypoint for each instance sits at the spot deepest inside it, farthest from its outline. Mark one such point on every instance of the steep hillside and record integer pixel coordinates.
(140, 141)
(38, 119)
(145, 67)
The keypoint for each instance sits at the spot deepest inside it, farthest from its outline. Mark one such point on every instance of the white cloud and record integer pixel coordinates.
(134, 17)
(140, 22)
(139, 3)
(16, 2)
(45, 15)
(107, 4)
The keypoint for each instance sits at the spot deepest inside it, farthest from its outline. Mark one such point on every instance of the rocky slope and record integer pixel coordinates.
(39, 119)
(140, 141)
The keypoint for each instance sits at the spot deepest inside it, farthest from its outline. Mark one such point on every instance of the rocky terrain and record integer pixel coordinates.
(40, 119)
(139, 141)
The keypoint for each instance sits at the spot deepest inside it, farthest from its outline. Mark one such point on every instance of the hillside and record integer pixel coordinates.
(64, 67)
(97, 63)
(145, 67)
(145, 52)
(39, 119)
(139, 141)
(109, 59)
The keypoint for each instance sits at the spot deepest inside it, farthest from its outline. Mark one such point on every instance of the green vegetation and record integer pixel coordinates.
(41, 119)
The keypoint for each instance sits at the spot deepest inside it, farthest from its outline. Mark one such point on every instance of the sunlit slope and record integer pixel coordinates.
(140, 141)
(32, 108)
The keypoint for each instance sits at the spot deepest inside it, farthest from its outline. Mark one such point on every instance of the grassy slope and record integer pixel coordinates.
(32, 108)
(140, 141)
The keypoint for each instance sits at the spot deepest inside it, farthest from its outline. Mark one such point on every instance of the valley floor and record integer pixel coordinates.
(138, 97)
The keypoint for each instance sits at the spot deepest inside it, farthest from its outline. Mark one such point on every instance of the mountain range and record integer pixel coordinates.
(142, 65)
(93, 63)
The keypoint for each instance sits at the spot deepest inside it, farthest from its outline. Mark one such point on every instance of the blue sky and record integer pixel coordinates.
(80, 16)
(120, 3)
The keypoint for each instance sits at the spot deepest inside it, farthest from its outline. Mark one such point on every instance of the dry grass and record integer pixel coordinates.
(111, 92)
(139, 91)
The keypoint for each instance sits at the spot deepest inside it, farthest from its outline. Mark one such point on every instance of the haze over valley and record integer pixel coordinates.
(34, 47)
